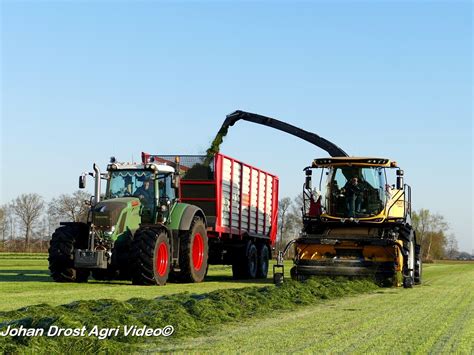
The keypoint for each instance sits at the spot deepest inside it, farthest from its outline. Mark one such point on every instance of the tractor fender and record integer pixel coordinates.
(188, 216)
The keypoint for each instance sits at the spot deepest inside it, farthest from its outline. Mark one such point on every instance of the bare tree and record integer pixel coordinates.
(284, 206)
(431, 230)
(69, 207)
(28, 208)
(452, 251)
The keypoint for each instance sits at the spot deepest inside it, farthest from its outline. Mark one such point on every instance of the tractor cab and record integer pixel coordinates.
(151, 183)
(354, 190)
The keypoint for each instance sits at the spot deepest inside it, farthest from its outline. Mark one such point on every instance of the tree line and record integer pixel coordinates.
(432, 229)
(28, 221)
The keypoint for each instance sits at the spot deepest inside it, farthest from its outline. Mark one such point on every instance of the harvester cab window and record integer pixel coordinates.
(355, 191)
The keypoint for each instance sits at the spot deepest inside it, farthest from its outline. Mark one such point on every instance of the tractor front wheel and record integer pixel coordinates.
(61, 253)
(150, 257)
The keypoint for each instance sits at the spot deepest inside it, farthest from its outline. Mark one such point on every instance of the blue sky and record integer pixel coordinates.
(83, 80)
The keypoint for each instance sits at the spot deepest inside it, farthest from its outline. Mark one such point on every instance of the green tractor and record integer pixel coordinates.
(137, 231)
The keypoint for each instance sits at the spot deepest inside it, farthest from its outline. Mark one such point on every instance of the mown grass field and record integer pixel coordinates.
(221, 315)
(24, 280)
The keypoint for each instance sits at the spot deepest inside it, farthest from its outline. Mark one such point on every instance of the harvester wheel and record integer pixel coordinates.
(150, 257)
(409, 274)
(61, 253)
(193, 252)
(418, 269)
(262, 262)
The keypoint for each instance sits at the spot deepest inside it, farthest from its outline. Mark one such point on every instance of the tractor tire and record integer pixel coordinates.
(121, 257)
(263, 259)
(193, 252)
(61, 253)
(245, 263)
(150, 257)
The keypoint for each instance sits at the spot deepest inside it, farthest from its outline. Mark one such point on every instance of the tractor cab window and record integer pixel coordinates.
(355, 191)
(127, 183)
(165, 186)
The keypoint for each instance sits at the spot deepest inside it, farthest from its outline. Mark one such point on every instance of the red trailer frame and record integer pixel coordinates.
(213, 202)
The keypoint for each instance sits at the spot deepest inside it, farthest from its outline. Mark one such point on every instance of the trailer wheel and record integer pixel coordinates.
(61, 253)
(150, 257)
(245, 263)
(193, 253)
(263, 261)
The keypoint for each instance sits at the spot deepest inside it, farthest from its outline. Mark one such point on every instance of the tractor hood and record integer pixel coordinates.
(113, 213)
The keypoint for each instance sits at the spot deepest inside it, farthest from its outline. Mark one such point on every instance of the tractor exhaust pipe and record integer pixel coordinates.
(97, 183)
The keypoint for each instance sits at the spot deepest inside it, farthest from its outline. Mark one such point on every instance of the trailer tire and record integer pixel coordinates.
(61, 253)
(194, 252)
(263, 261)
(150, 257)
(245, 263)
(251, 261)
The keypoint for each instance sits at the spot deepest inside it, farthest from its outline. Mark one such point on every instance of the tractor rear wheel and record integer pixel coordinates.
(263, 261)
(61, 253)
(150, 257)
(193, 252)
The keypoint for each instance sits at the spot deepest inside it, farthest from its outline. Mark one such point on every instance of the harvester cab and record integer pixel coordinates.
(355, 190)
(355, 223)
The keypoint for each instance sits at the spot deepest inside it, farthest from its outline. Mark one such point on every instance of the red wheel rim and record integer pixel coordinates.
(161, 259)
(198, 251)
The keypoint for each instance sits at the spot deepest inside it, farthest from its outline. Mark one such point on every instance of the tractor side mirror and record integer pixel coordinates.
(307, 183)
(82, 182)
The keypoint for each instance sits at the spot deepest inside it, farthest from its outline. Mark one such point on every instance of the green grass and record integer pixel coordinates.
(24, 280)
(221, 315)
(436, 317)
(190, 314)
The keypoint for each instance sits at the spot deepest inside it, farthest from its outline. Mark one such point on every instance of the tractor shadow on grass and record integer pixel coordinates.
(25, 276)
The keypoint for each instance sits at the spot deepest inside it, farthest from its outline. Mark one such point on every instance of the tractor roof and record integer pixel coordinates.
(158, 168)
(353, 161)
